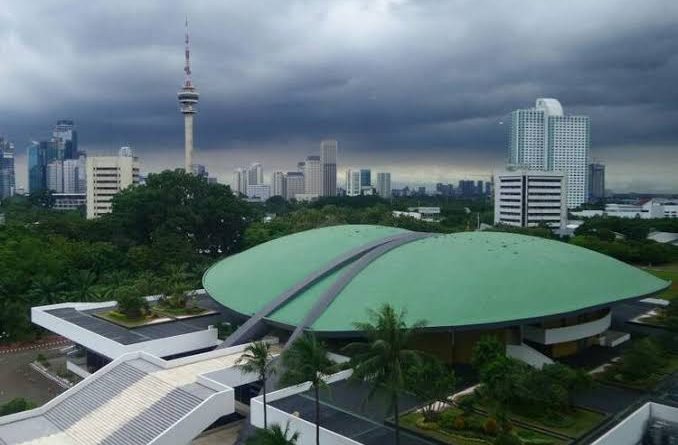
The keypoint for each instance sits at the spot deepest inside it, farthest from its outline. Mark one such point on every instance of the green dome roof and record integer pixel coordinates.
(461, 279)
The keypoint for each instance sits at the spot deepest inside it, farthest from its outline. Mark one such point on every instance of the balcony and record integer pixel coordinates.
(564, 334)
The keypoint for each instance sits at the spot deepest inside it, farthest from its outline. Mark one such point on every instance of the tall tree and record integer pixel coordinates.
(306, 361)
(383, 359)
(257, 359)
(46, 290)
(82, 285)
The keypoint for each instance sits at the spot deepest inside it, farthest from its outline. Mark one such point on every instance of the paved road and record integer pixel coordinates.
(17, 379)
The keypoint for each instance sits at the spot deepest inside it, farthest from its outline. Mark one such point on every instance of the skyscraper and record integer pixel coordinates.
(55, 176)
(279, 184)
(328, 159)
(39, 155)
(313, 176)
(188, 100)
(365, 177)
(596, 182)
(239, 182)
(7, 174)
(255, 174)
(353, 182)
(544, 138)
(65, 139)
(384, 185)
(106, 177)
(295, 185)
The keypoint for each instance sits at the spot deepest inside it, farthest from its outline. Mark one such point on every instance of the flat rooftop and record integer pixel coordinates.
(127, 336)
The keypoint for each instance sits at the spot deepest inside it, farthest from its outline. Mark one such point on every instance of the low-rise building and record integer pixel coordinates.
(530, 198)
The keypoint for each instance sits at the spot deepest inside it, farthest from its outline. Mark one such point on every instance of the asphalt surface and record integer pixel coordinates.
(346, 409)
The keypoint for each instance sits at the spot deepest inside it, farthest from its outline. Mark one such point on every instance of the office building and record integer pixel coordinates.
(384, 185)
(69, 201)
(353, 182)
(544, 138)
(295, 185)
(444, 189)
(65, 138)
(529, 198)
(259, 191)
(188, 105)
(328, 160)
(596, 182)
(239, 181)
(39, 154)
(480, 189)
(199, 170)
(7, 173)
(255, 174)
(466, 188)
(279, 184)
(313, 176)
(106, 176)
(365, 177)
(55, 176)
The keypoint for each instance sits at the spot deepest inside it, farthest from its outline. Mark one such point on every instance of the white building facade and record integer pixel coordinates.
(106, 177)
(353, 182)
(259, 191)
(279, 184)
(294, 185)
(384, 185)
(544, 138)
(529, 198)
(313, 176)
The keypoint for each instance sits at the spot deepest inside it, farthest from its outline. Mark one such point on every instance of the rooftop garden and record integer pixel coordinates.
(133, 310)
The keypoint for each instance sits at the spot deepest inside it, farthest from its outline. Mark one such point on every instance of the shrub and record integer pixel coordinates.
(15, 406)
(447, 419)
(507, 439)
(491, 427)
(132, 305)
(459, 423)
(466, 404)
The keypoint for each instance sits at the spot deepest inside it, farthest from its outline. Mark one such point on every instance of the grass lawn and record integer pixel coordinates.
(468, 437)
(179, 311)
(611, 376)
(667, 272)
(576, 424)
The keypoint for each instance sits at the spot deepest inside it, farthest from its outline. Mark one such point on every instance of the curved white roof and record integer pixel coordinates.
(551, 106)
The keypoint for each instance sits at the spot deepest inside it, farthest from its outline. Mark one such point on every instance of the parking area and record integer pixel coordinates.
(18, 379)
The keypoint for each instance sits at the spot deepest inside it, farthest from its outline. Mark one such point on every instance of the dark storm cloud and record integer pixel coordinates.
(387, 78)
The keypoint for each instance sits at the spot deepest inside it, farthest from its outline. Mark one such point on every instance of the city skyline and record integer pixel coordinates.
(267, 103)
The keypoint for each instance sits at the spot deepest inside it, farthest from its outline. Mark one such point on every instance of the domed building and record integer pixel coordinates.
(545, 298)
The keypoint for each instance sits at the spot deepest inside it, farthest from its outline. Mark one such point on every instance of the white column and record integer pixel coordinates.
(188, 141)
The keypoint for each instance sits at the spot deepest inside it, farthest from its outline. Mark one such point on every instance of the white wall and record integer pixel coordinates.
(568, 333)
(305, 428)
(162, 347)
(630, 430)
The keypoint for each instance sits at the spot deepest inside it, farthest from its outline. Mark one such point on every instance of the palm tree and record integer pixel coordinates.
(275, 436)
(257, 359)
(83, 286)
(306, 361)
(382, 361)
(46, 290)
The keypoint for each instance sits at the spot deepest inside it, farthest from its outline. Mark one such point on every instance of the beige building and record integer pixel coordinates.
(106, 176)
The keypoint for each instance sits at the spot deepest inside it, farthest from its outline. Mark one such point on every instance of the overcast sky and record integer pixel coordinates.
(420, 88)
